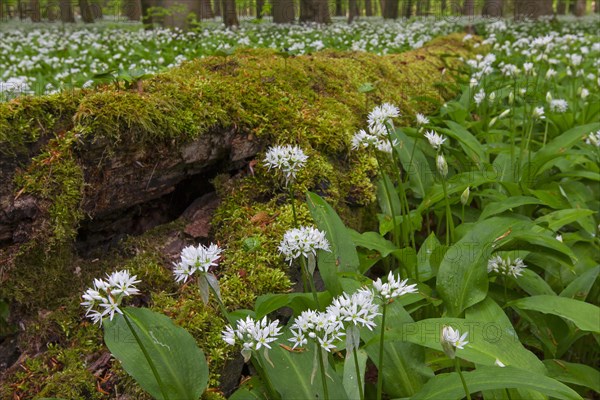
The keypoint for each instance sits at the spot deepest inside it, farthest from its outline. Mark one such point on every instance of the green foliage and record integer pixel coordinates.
(162, 357)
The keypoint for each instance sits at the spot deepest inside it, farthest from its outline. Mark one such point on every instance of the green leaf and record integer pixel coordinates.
(462, 278)
(414, 163)
(426, 258)
(507, 204)
(252, 389)
(298, 302)
(533, 284)
(180, 364)
(544, 243)
(373, 241)
(557, 148)
(585, 316)
(343, 256)
(581, 286)
(579, 374)
(449, 386)
(349, 380)
(389, 205)
(557, 219)
(404, 368)
(467, 141)
(290, 373)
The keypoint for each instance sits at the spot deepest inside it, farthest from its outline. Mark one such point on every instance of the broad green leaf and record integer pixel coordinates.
(350, 381)
(557, 148)
(462, 278)
(180, 364)
(252, 389)
(404, 368)
(298, 302)
(373, 241)
(507, 204)
(533, 284)
(585, 316)
(456, 185)
(414, 164)
(387, 196)
(343, 256)
(581, 286)
(579, 374)
(449, 386)
(467, 141)
(426, 258)
(290, 373)
(557, 219)
(537, 241)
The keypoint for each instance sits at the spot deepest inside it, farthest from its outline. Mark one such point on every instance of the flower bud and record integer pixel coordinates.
(548, 97)
(464, 197)
(442, 165)
(511, 98)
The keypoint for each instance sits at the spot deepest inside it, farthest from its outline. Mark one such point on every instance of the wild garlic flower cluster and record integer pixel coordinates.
(558, 106)
(503, 266)
(323, 328)
(303, 241)
(451, 340)
(394, 287)
(196, 259)
(356, 309)
(383, 114)
(421, 119)
(435, 140)
(593, 138)
(377, 135)
(105, 297)
(252, 334)
(288, 159)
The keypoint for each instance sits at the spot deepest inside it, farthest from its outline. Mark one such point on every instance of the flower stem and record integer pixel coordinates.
(163, 390)
(358, 376)
(308, 277)
(380, 366)
(462, 378)
(273, 394)
(219, 302)
(449, 221)
(291, 192)
(323, 374)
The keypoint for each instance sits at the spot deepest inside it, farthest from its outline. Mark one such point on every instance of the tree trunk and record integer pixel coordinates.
(469, 8)
(390, 9)
(283, 11)
(407, 8)
(597, 6)
(66, 11)
(230, 18)
(561, 7)
(132, 9)
(206, 11)
(368, 8)
(34, 11)
(96, 9)
(217, 7)
(580, 8)
(259, 6)
(492, 8)
(314, 11)
(420, 7)
(86, 11)
(352, 10)
(339, 11)
(532, 8)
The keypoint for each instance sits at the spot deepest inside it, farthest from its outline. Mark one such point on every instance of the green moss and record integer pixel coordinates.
(312, 101)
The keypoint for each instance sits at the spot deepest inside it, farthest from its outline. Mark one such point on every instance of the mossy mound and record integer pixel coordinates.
(263, 97)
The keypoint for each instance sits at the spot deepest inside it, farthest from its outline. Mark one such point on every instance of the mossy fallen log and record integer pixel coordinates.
(84, 169)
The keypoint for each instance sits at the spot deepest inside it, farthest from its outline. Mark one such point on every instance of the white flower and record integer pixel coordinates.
(503, 266)
(593, 138)
(393, 288)
(108, 295)
(558, 105)
(584, 93)
(479, 96)
(451, 340)
(421, 119)
(538, 113)
(363, 139)
(383, 114)
(528, 68)
(550, 73)
(196, 259)
(356, 309)
(252, 334)
(499, 363)
(303, 241)
(321, 327)
(559, 237)
(288, 159)
(435, 140)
